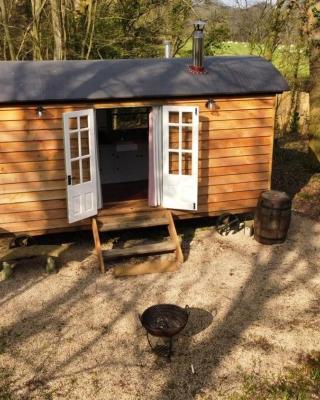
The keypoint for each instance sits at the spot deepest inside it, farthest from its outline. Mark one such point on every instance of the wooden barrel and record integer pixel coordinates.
(272, 217)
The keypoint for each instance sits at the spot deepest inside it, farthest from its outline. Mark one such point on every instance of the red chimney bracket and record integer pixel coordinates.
(197, 70)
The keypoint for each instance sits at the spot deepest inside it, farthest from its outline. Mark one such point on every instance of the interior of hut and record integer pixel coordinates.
(123, 153)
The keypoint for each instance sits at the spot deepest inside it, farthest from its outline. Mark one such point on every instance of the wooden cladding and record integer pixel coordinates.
(34, 145)
(20, 156)
(227, 143)
(25, 167)
(220, 180)
(235, 152)
(14, 198)
(35, 176)
(32, 173)
(212, 124)
(30, 125)
(29, 136)
(227, 103)
(236, 133)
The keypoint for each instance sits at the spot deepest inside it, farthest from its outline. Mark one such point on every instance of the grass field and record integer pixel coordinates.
(283, 58)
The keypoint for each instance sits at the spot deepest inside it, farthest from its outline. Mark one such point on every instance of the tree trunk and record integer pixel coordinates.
(36, 37)
(63, 14)
(4, 19)
(314, 51)
(90, 24)
(58, 30)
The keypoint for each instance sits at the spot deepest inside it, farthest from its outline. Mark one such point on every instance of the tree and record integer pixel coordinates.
(314, 54)
(91, 29)
(37, 7)
(217, 32)
(58, 29)
(5, 23)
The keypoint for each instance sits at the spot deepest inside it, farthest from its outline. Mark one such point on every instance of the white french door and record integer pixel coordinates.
(180, 157)
(81, 164)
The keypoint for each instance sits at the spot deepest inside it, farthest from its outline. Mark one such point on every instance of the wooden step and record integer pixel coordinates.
(130, 206)
(153, 248)
(139, 220)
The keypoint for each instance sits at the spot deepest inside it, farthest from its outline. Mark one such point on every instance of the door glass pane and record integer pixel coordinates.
(75, 172)
(173, 163)
(173, 137)
(86, 175)
(84, 122)
(74, 147)
(174, 117)
(186, 164)
(73, 123)
(186, 137)
(187, 117)
(84, 143)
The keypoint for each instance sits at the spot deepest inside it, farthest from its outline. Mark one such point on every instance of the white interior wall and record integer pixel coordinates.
(123, 166)
(124, 161)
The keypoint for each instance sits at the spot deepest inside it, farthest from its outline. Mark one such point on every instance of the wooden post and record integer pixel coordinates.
(97, 244)
(51, 265)
(174, 236)
(6, 271)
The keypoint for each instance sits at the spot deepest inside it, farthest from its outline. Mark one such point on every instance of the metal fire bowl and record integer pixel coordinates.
(165, 320)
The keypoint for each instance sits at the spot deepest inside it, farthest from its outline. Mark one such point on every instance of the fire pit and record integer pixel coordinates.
(164, 320)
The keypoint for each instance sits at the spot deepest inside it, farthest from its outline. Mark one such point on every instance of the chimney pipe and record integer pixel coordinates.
(197, 48)
(167, 49)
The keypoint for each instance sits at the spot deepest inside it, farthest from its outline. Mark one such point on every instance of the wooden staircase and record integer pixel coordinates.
(106, 222)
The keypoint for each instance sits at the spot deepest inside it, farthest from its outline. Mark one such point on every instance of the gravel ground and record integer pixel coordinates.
(76, 335)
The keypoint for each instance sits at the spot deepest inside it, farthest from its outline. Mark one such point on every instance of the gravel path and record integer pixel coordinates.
(76, 335)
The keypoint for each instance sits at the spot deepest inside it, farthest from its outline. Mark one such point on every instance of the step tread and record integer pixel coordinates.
(135, 214)
(125, 222)
(162, 247)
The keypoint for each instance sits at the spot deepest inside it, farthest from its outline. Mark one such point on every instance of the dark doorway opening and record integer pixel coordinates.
(123, 153)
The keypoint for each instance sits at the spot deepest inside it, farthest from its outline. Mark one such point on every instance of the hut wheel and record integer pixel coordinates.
(21, 241)
(227, 223)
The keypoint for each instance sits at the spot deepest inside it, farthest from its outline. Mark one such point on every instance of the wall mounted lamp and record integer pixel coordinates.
(40, 111)
(210, 104)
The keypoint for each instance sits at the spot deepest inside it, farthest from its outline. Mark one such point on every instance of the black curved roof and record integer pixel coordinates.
(40, 81)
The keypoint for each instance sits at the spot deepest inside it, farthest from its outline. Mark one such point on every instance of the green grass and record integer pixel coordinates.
(307, 196)
(283, 58)
(301, 383)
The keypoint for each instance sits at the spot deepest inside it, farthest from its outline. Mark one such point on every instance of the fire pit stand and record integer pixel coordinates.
(165, 321)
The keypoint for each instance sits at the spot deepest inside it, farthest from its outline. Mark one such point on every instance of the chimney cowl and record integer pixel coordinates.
(199, 25)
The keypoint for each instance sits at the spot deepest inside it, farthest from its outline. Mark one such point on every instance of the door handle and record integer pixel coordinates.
(69, 180)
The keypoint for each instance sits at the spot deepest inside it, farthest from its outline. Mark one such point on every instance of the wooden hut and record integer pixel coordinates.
(119, 142)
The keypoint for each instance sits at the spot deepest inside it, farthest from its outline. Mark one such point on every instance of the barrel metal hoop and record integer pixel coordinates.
(275, 209)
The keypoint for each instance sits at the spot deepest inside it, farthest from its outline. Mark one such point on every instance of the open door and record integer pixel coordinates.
(180, 157)
(81, 164)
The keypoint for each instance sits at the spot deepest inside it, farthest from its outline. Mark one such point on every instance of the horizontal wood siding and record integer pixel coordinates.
(235, 154)
(32, 172)
(235, 149)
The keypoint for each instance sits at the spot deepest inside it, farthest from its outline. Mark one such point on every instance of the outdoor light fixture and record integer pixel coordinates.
(40, 111)
(210, 104)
